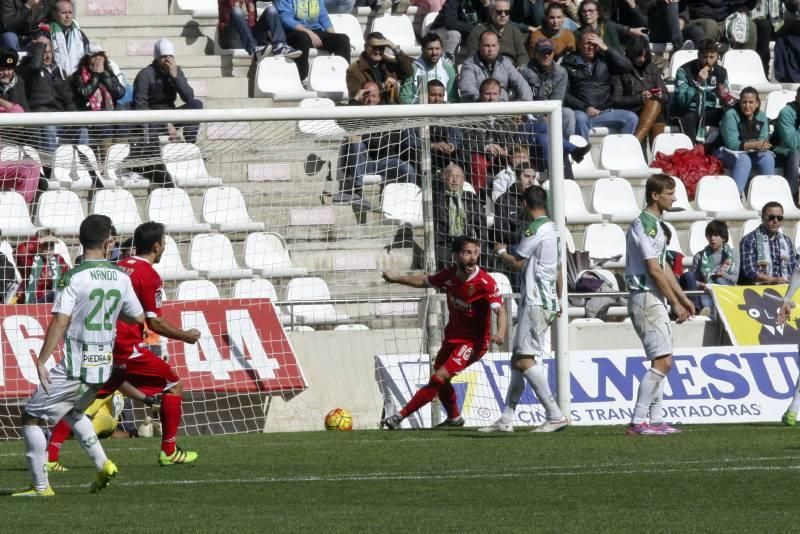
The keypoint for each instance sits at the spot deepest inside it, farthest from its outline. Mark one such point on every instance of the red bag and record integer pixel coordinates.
(689, 166)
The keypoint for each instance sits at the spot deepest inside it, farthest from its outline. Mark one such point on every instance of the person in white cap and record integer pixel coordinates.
(158, 85)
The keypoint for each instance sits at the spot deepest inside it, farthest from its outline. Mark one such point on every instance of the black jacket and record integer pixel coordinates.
(627, 88)
(46, 90)
(156, 89)
(15, 92)
(474, 225)
(508, 215)
(718, 10)
(454, 16)
(587, 89)
(15, 17)
(83, 90)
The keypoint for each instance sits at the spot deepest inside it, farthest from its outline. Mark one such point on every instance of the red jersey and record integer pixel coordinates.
(469, 303)
(149, 289)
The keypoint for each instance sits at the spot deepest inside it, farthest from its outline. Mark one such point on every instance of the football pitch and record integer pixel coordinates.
(731, 478)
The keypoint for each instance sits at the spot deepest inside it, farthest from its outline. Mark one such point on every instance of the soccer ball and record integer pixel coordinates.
(339, 419)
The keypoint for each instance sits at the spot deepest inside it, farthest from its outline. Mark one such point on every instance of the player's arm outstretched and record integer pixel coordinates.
(787, 305)
(668, 286)
(162, 327)
(511, 261)
(419, 280)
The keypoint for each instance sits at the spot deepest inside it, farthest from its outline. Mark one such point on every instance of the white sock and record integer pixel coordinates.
(538, 380)
(84, 432)
(514, 393)
(795, 405)
(656, 406)
(647, 391)
(36, 455)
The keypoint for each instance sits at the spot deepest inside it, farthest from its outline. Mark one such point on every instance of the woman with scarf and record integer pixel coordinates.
(717, 263)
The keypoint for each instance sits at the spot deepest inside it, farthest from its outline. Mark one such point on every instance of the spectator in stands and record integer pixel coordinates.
(512, 42)
(374, 65)
(785, 66)
(527, 15)
(787, 143)
(592, 18)
(642, 90)
(701, 92)
(767, 16)
(629, 15)
(509, 217)
(12, 89)
(41, 268)
(446, 141)
(237, 18)
(428, 67)
(343, 7)
(767, 254)
(745, 139)
(589, 91)
(716, 20)
(69, 42)
(159, 84)
(666, 20)
(717, 263)
(459, 17)
(518, 161)
(552, 29)
(308, 26)
(548, 80)
(20, 21)
(456, 212)
(489, 63)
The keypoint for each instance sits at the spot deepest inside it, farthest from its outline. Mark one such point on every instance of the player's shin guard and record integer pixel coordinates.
(35, 451)
(170, 421)
(647, 391)
(58, 436)
(447, 395)
(84, 432)
(537, 378)
(423, 396)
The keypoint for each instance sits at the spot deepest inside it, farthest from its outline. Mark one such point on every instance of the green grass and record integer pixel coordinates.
(741, 478)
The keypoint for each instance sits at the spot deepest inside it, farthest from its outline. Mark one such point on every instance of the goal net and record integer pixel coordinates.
(279, 224)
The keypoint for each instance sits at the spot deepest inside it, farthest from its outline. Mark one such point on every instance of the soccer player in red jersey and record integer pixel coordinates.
(471, 295)
(133, 361)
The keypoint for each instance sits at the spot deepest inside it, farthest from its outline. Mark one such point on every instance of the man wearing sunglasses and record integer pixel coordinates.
(767, 255)
(512, 42)
(375, 65)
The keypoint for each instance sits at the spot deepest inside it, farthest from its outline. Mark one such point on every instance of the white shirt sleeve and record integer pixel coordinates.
(527, 247)
(66, 298)
(644, 243)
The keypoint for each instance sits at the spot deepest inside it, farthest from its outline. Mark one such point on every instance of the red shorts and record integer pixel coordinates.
(147, 372)
(455, 357)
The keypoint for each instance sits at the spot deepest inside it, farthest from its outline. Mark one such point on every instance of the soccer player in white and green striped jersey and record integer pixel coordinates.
(537, 255)
(89, 299)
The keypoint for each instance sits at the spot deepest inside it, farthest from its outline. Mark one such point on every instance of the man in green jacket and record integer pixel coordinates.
(787, 142)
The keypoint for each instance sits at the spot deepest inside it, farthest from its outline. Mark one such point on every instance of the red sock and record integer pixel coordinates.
(58, 436)
(447, 394)
(423, 396)
(170, 420)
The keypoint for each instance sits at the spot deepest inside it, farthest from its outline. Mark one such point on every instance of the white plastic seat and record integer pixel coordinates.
(750, 225)
(315, 292)
(614, 199)
(28, 152)
(685, 213)
(675, 245)
(319, 127)
(120, 206)
(402, 204)
(173, 209)
(60, 211)
(668, 143)
(575, 209)
(15, 219)
(745, 68)
(586, 169)
(265, 253)
(68, 169)
(60, 248)
(766, 188)
(680, 58)
(603, 241)
(87, 154)
(277, 78)
(185, 165)
(776, 101)
(259, 288)
(427, 22)
(348, 24)
(198, 8)
(504, 286)
(399, 30)
(328, 77)
(171, 268)
(212, 256)
(719, 196)
(10, 153)
(350, 327)
(129, 180)
(196, 290)
(224, 207)
(697, 237)
(622, 155)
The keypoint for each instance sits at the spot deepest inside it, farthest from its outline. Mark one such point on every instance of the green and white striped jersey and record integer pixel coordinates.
(645, 241)
(539, 246)
(93, 294)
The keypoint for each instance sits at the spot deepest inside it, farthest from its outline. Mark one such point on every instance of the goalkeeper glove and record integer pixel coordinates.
(152, 399)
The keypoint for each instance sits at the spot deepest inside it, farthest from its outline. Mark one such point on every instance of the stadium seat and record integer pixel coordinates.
(570, 240)
(266, 254)
(28, 152)
(614, 199)
(212, 256)
(586, 169)
(89, 160)
(173, 208)
(348, 24)
(198, 8)
(314, 291)
(622, 155)
(61, 212)
(225, 209)
(319, 127)
(719, 196)
(15, 220)
(399, 30)
(277, 78)
(129, 180)
(62, 250)
(427, 22)
(680, 58)
(171, 268)
(68, 169)
(586, 320)
(745, 68)
(185, 165)
(675, 245)
(258, 288)
(402, 204)
(328, 77)
(575, 209)
(504, 286)
(10, 153)
(684, 210)
(776, 101)
(668, 143)
(750, 225)
(766, 188)
(697, 237)
(351, 327)
(120, 206)
(605, 241)
(196, 290)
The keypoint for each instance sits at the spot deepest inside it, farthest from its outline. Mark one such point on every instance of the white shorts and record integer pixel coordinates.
(650, 318)
(66, 394)
(530, 335)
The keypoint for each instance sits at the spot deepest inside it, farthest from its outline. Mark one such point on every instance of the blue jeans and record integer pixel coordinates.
(618, 119)
(268, 23)
(742, 163)
(536, 138)
(356, 163)
(340, 6)
(688, 282)
(50, 134)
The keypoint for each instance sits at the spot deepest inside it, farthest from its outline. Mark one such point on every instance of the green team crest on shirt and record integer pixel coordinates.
(534, 225)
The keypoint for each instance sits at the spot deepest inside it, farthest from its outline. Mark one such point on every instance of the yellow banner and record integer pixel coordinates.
(749, 314)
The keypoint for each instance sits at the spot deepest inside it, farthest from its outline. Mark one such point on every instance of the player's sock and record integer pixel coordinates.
(447, 394)
(35, 451)
(515, 389)
(58, 436)
(795, 405)
(423, 396)
(656, 406)
(538, 380)
(170, 420)
(648, 388)
(84, 432)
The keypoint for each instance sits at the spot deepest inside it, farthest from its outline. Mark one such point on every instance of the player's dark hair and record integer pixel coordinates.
(460, 241)
(147, 235)
(94, 231)
(487, 82)
(551, 6)
(717, 227)
(435, 83)
(429, 38)
(771, 204)
(535, 198)
(656, 185)
(374, 35)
